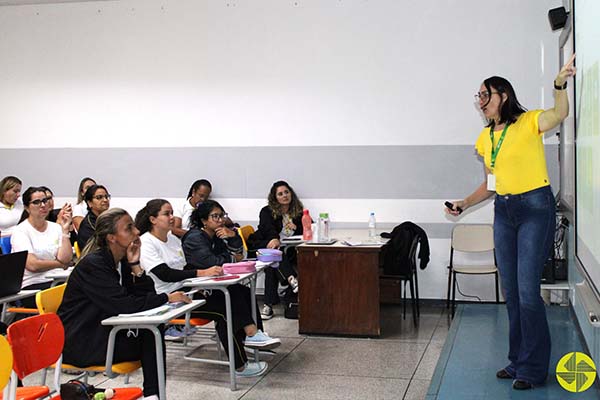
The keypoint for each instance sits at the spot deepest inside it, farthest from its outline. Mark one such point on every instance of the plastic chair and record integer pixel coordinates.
(244, 232)
(470, 238)
(5, 244)
(6, 364)
(36, 344)
(77, 250)
(48, 301)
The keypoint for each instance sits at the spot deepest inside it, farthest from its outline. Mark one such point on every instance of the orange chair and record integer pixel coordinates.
(37, 343)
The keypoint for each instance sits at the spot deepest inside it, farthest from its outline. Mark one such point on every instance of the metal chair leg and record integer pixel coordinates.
(497, 290)
(453, 292)
(449, 284)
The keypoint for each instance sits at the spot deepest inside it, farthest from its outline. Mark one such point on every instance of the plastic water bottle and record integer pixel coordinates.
(372, 226)
(307, 233)
(324, 227)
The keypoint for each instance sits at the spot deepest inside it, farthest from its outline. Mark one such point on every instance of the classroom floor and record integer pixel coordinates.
(441, 359)
(399, 365)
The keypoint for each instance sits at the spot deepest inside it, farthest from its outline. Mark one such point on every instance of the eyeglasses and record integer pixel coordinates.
(37, 202)
(483, 96)
(102, 196)
(217, 216)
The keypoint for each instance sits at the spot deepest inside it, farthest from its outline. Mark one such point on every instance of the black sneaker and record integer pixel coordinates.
(267, 312)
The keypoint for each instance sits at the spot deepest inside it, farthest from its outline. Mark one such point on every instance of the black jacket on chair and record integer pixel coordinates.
(396, 251)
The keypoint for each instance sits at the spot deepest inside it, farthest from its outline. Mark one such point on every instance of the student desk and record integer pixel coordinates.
(59, 275)
(339, 288)
(222, 285)
(150, 322)
(14, 297)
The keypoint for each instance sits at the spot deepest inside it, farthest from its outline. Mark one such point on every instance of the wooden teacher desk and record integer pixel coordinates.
(339, 288)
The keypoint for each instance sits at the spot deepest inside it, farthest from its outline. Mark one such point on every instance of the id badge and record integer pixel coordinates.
(491, 182)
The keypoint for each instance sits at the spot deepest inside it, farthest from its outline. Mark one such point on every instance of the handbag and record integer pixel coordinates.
(77, 390)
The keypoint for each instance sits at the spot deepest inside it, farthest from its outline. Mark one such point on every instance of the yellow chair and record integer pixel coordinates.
(77, 250)
(244, 232)
(48, 301)
(6, 363)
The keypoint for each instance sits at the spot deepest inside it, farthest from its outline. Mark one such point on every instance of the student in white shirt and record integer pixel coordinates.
(80, 209)
(163, 260)
(199, 192)
(47, 242)
(11, 207)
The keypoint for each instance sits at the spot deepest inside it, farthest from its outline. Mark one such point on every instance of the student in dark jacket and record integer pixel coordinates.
(282, 217)
(103, 285)
(97, 199)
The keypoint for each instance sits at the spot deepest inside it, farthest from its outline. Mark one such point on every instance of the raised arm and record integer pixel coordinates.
(555, 115)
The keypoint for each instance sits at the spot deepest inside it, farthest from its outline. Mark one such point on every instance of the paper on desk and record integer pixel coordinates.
(293, 238)
(362, 243)
(199, 279)
(150, 313)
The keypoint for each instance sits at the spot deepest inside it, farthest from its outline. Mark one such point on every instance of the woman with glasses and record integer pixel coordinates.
(281, 218)
(162, 257)
(199, 192)
(97, 199)
(11, 207)
(47, 242)
(80, 209)
(524, 215)
(55, 213)
(104, 285)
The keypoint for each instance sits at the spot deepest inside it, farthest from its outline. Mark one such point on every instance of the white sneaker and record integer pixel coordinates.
(293, 283)
(261, 340)
(267, 312)
(252, 369)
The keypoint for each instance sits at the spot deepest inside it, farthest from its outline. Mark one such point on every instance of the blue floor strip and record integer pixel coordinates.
(477, 346)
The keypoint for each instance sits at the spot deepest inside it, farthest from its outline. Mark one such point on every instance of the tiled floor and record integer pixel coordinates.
(399, 365)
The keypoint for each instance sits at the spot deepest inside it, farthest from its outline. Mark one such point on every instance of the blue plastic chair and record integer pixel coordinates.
(5, 244)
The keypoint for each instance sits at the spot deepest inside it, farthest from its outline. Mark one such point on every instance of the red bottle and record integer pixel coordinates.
(306, 226)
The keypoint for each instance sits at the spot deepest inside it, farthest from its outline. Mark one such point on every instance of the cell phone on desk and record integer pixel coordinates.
(225, 277)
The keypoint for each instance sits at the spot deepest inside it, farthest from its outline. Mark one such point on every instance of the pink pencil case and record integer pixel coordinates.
(269, 255)
(243, 267)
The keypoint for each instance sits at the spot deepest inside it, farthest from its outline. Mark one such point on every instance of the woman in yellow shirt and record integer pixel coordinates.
(524, 215)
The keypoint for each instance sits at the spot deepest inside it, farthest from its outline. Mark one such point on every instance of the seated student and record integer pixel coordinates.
(11, 207)
(80, 209)
(282, 217)
(47, 242)
(199, 192)
(98, 200)
(209, 243)
(55, 213)
(163, 259)
(102, 286)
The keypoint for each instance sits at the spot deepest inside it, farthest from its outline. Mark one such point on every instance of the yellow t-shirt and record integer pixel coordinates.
(520, 163)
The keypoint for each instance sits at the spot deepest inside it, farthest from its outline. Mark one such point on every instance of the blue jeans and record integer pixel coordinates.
(523, 235)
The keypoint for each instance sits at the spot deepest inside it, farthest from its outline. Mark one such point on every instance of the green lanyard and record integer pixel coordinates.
(497, 149)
